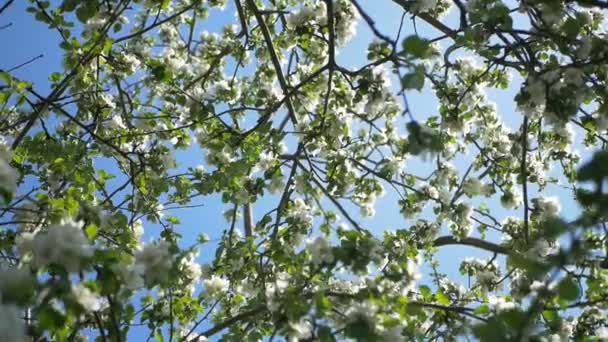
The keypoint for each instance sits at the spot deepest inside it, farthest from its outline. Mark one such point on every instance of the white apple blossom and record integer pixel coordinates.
(116, 122)
(300, 330)
(463, 222)
(363, 311)
(215, 286)
(301, 212)
(548, 206)
(8, 175)
(63, 244)
(191, 269)
(602, 333)
(474, 187)
(156, 259)
(88, 299)
(500, 304)
(267, 160)
(132, 275)
(420, 6)
(138, 228)
(320, 250)
(511, 199)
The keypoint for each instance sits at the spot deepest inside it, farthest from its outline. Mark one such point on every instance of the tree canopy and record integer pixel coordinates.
(302, 152)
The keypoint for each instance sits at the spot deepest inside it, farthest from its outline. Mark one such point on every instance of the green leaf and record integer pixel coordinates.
(55, 77)
(414, 80)
(549, 315)
(3, 98)
(596, 169)
(325, 335)
(554, 227)
(91, 231)
(568, 289)
(86, 12)
(425, 291)
(417, 47)
(5, 77)
(49, 318)
(482, 310)
(527, 264)
(442, 298)
(159, 335)
(22, 85)
(69, 5)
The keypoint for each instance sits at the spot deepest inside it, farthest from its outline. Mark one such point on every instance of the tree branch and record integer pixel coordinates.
(227, 323)
(473, 242)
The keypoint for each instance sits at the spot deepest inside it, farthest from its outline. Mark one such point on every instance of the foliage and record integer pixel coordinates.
(280, 120)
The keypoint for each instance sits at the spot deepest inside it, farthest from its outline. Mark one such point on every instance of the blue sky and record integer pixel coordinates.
(26, 38)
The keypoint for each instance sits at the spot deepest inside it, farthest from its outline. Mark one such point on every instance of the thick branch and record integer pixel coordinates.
(227, 323)
(248, 219)
(473, 242)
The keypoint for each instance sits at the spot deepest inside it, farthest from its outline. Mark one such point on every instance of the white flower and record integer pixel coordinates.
(500, 304)
(411, 275)
(25, 242)
(511, 199)
(601, 122)
(566, 132)
(282, 281)
(301, 17)
(347, 26)
(473, 187)
(536, 287)
(602, 333)
(394, 165)
(8, 174)
(107, 100)
(63, 244)
(131, 274)
(300, 212)
(138, 228)
(199, 171)
(276, 183)
(168, 160)
(188, 335)
(320, 251)
(362, 311)
(191, 268)
(423, 5)
(430, 191)
(156, 260)
(116, 123)
(300, 330)
(158, 210)
(89, 300)
(542, 249)
(548, 206)
(131, 61)
(12, 326)
(95, 23)
(368, 211)
(463, 222)
(216, 286)
(393, 334)
(267, 160)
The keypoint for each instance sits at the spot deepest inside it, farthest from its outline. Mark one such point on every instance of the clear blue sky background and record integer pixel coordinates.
(27, 38)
